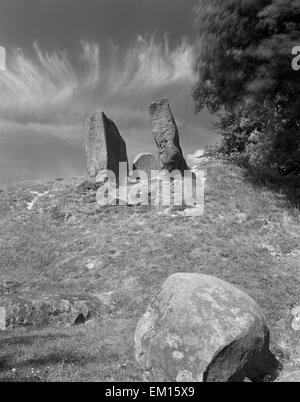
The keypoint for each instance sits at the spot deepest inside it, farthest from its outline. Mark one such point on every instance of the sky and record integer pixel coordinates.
(67, 58)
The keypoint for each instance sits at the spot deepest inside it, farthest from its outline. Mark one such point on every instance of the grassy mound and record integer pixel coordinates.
(54, 238)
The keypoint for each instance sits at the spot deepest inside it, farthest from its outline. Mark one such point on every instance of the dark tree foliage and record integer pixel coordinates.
(244, 67)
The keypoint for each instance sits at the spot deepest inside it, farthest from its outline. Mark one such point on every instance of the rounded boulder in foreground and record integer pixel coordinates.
(200, 328)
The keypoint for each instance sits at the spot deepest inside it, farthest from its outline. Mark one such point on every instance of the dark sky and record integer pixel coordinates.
(61, 23)
(69, 57)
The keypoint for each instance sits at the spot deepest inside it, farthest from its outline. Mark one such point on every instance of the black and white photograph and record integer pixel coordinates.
(149, 194)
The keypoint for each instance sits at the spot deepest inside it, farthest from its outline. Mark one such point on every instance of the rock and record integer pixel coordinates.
(166, 136)
(72, 220)
(192, 212)
(145, 162)
(293, 376)
(58, 214)
(2, 319)
(202, 329)
(8, 287)
(105, 148)
(296, 319)
(107, 298)
(51, 311)
(87, 186)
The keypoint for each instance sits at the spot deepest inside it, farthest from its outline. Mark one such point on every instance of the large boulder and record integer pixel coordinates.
(166, 136)
(105, 148)
(145, 162)
(202, 329)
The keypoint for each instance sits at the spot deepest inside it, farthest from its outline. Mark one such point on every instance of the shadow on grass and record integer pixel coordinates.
(28, 340)
(12, 369)
(22, 379)
(273, 368)
(287, 185)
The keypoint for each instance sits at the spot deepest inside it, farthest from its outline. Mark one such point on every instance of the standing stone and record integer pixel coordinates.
(202, 329)
(105, 147)
(145, 162)
(166, 136)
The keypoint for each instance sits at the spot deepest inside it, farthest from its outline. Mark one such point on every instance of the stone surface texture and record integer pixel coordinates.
(166, 136)
(200, 328)
(105, 147)
(38, 312)
(146, 162)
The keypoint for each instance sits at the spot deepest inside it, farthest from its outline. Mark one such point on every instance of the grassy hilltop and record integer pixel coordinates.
(64, 243)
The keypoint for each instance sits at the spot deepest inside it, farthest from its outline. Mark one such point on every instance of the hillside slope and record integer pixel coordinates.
(54, 239)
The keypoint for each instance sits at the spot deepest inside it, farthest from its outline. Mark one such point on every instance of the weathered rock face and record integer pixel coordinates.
(145, 162)
(166, 136)
(50, 311)
(105, 147)
(200, 328)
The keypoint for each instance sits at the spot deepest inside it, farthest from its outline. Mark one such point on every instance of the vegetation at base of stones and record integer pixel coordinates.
(244, 65)
(88, 186)
(248, 236)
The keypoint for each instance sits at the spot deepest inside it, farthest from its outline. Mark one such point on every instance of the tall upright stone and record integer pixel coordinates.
(105, 147)
(166, 136)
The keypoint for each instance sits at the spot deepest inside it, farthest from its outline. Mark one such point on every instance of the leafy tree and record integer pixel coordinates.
(244, 67)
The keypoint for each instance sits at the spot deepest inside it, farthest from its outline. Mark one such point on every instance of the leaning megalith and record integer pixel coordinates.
(202, 329)
(166, 136)
(145, 162)
(105, 147)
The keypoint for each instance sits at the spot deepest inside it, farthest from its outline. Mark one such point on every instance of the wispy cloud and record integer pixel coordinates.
(33, 88)
(40, 87)
(44, 98)
(149, 64)
(193, 158)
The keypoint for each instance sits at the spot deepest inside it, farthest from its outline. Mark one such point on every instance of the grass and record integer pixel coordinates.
(248, 236)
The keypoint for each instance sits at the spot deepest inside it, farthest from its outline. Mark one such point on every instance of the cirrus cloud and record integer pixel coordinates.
(42, 87)
(44, 97)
